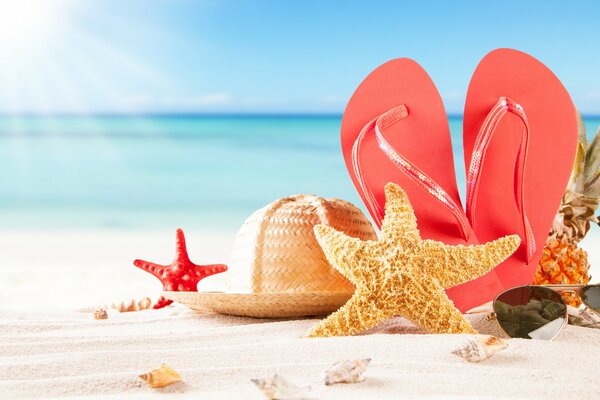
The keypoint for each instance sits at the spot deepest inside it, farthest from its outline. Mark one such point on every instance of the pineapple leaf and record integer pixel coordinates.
(581, 134)
(577, 179)
(592, 164)
(592, 188)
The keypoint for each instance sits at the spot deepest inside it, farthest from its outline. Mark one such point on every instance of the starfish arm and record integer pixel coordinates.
(162, 302)
(454, 265)
(181, 253)
(400, 222)
(359, 314)
(430, 308)
(202, 271)
(341, 250)
(155, 269)
(181, 275)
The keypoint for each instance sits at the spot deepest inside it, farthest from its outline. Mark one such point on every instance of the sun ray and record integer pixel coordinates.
(26, 24)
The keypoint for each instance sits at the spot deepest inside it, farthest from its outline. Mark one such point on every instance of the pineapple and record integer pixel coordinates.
(563, 261)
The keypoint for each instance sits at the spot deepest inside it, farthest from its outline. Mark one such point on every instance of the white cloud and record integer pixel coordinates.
(263, 101)
(210, 99)
(144, 101)
(587, 101)
(592, 96)
(454, 101)
(332, 100)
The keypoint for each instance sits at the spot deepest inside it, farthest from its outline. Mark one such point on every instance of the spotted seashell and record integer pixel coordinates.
(480, 347)
(161, 377)
(100, 314)
(278, 387)
(348, 371)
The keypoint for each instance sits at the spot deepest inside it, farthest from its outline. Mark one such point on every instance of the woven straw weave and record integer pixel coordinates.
(276, 250)
(263, 305)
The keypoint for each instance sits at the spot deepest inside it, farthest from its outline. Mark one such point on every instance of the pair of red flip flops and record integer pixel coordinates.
(519, 138)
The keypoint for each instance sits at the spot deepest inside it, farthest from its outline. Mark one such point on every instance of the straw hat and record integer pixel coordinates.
(277, 267)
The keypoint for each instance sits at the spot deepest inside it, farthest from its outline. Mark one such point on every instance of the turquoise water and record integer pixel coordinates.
(73, 172)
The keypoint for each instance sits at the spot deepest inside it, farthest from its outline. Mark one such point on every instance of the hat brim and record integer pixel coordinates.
(263, 305)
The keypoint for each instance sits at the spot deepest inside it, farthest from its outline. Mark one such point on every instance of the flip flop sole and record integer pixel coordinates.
(552, 143)
(422, 138)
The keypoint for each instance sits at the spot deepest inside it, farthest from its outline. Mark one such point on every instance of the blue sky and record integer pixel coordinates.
(271, 56)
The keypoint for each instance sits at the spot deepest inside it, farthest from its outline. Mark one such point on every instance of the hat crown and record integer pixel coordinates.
(276, 250)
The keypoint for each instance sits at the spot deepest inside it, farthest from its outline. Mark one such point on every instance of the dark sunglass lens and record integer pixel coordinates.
(590, 295)
(530, 312)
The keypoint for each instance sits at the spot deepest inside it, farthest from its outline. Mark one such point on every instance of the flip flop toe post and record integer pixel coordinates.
(395, 129)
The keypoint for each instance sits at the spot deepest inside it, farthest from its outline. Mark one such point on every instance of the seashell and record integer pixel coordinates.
(161, 377)
(132, 305)
(278, 387)
(348, 371)
(100, 314)
(480, 347)
(122, 306)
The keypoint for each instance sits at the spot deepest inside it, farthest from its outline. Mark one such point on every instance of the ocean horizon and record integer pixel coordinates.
(163, 170)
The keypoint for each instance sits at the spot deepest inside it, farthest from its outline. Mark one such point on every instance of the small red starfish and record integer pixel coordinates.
(181, 275)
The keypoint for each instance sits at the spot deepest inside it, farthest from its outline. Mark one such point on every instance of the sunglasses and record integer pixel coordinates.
(539, 312)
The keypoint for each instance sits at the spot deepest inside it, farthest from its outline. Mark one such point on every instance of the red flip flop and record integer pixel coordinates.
(520, 138)
(395, 129)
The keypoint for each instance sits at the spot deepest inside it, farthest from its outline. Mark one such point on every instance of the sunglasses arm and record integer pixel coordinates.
(565, 288)
(482, 309)
(589, 316)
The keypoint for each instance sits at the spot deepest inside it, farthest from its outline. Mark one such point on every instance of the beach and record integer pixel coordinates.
(72, 223)
(78, 269)
(83, 196)
(129, 128)
(48, 354)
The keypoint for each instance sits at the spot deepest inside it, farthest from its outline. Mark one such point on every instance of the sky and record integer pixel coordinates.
(221, 56)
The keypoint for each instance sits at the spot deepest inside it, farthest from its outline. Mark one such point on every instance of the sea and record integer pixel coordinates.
(165, 171)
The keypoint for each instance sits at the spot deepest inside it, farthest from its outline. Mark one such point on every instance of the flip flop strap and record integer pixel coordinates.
(378, 125)
(376, 211)
(484, 137)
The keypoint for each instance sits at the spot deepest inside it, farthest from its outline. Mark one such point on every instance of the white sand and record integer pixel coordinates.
(67, 270)
(46, 355)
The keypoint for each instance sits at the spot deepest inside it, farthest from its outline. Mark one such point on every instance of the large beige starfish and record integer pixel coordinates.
(401, 274)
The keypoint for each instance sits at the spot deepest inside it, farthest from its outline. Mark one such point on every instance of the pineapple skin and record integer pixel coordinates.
(563, 262)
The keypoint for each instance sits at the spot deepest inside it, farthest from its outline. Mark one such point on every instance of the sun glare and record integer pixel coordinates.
(25, 23)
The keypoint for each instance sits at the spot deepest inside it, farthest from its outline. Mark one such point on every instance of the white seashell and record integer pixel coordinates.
(122, 306)
(279, 388)
(348, 371)
(480, 347)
